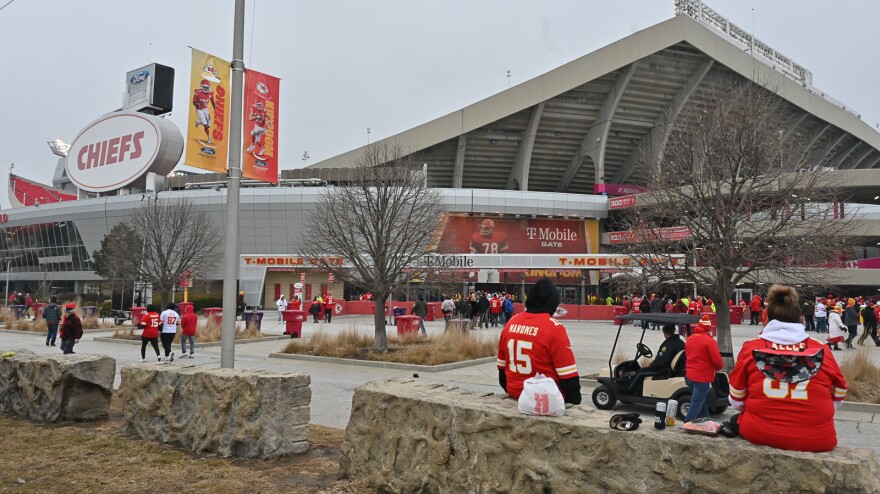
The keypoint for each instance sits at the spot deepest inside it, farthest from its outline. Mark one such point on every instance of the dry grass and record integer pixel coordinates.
(106, 460)
(95, 323)
(862, 377)
(411, 348)
(208, 332)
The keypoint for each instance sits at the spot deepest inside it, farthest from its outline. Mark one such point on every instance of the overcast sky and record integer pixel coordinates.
(347, 65)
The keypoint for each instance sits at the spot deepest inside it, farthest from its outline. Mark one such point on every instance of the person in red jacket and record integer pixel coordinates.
(71, 329)
(188, 324)
(329, 305)
(150, 324)
(296, 303)
(703, 360)
(494, 310)
(755, 307)
(786, 384)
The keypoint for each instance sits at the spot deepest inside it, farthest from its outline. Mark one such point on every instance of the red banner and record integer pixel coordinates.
(622, 202)
(666, 234)
(484, 235)
(260, 160)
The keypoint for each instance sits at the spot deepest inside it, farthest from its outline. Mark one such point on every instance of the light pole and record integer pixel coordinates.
(7, 281)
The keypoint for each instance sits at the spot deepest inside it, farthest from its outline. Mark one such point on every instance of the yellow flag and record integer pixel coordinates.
(207, 140)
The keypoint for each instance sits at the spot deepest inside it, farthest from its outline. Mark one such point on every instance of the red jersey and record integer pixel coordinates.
(495, 305)
(259, 116)
(493, 244)
(188, 323)
(150, 323)
(328, 303)
(793, 416)
(531, 344)
(202, 98)
(295, 304)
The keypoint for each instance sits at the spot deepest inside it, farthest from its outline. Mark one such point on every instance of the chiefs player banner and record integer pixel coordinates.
(207, 137)
(260, 161)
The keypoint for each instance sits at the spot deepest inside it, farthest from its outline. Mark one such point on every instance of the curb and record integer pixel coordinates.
(199, 345)
(386, 365)
(37, 333)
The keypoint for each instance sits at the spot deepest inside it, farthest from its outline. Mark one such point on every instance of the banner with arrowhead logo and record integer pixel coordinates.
(260, 160)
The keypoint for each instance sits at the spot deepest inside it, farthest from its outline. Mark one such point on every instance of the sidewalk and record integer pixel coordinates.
(333, 384)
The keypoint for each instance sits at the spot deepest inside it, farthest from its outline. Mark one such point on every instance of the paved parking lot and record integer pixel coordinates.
(333, 384)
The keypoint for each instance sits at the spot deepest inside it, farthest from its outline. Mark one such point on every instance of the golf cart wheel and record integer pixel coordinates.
(684, 404)
(717, 410)
(603, 399)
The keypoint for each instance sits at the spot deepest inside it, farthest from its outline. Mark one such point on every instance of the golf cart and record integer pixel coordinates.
(622, 382)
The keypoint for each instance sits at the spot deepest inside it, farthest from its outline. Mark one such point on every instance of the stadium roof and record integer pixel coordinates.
(588, 121)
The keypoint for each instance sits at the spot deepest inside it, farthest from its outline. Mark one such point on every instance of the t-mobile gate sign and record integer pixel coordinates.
(119, 149)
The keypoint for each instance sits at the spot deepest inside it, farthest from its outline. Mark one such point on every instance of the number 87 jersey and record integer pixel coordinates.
(532, 344)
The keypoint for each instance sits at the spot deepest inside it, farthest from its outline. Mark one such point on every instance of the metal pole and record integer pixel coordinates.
(7, 283)
(233, 172)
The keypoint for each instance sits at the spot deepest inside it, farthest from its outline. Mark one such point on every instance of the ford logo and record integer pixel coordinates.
(208, 151)
(139, 77)
(260, 163)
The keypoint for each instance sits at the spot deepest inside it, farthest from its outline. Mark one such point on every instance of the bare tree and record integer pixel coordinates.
(735, 192)
(158, 242)
(381, 222)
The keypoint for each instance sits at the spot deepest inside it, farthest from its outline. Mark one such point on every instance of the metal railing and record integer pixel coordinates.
(701, 12)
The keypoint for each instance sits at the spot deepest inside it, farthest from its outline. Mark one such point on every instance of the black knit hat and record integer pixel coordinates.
(542, 298)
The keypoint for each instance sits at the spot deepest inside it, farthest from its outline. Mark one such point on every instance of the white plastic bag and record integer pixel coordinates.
(541, 396)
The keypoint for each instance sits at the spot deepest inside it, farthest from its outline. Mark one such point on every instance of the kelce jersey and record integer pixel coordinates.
(201, 98)
(494, 244)
(169, 320)
(531, 344)
(792, 416)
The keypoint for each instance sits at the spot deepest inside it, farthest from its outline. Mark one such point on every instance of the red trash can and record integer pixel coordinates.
(407, 324)
(736, 314)
(38, 311)
(293, 320)
(619, 311)
(433, 311)
(185, 308)
(136, 314)
(215, 313)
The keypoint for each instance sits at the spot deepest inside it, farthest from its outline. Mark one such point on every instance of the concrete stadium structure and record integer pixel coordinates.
(536, 150)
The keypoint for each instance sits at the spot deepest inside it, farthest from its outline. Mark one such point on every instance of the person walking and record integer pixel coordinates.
(295, 304)
(821, 317)
(703, 361)
(837, 332)
(52, 316)
(447, 308)
(282, 306)
(189, 322)
(657, 306)
(508, 308)
(71, 329)
(851, 321)
(150, 335)
(170, 319)
(315, 308)
(483, 308)
(869, 320)
(808, 310)
(755, 307)
(329, 307)
(420, 308)
(645, 308)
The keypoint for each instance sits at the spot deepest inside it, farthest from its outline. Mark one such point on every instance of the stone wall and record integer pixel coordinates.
(409, 437)
(56, 388)
(249, 414)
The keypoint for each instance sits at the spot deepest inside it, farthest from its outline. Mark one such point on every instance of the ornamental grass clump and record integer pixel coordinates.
(862, 376)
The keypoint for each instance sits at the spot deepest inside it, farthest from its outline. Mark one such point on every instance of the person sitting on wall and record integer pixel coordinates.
(785, 384)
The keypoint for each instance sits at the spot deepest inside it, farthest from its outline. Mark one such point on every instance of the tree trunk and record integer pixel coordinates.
(725, 341)
(166, 299)
(380, 338)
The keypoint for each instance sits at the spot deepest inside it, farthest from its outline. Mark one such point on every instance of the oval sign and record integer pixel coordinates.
(114, 151)
(298, 286)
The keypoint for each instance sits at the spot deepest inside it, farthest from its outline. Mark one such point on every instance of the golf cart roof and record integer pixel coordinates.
(662, 318)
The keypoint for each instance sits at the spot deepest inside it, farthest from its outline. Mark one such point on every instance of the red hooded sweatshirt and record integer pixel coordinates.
(703, 357)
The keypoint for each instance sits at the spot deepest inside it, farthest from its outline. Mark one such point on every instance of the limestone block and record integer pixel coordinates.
(231, 412)
(56, 388)
(408, 437)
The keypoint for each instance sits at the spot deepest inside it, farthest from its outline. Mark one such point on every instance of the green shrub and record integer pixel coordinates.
(105, 309)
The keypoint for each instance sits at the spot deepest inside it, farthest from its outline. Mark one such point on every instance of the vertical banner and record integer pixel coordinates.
(207, 137)
(260, 127)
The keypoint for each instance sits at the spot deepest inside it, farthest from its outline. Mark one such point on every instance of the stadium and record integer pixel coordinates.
(539, 162)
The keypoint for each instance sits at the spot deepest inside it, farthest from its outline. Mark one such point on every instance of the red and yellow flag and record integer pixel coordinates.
(260, 144)
(207, 140)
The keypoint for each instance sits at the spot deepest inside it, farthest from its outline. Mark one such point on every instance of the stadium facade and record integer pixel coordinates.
(545, 154)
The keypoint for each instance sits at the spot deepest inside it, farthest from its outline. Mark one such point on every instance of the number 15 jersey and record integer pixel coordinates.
(532, 344)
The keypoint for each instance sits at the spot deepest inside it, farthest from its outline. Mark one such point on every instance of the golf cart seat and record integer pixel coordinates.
(678, 364)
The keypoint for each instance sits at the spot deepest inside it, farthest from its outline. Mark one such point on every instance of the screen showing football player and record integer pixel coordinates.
(260, 117)
(534, 342)
(201, 98)
(488, 241)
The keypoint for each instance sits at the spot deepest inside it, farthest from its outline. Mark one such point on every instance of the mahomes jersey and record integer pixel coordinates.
(259, 116)
(531, 344)
(493, 244)
(201, 99)
(169, 320)
(794, 416)
(150, 321)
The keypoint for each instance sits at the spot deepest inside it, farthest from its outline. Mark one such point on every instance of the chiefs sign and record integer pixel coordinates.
(118, 150)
